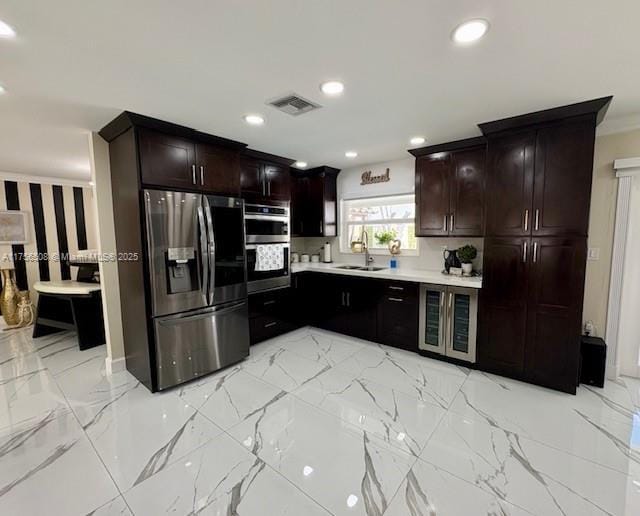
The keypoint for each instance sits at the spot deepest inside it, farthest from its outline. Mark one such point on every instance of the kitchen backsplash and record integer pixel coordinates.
(430, 249)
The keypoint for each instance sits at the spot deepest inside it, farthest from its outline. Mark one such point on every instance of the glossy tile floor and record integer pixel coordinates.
(311, 424)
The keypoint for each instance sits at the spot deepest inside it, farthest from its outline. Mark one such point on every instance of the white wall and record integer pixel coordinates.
(629, 332)
(402, 174)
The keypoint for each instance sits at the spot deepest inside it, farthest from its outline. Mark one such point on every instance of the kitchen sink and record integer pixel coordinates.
(360, 268)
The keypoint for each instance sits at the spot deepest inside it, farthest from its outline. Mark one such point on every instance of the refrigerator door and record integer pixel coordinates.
(433, 318)
(462, 320)
(226, 251)
(175, 234)
(197, 343)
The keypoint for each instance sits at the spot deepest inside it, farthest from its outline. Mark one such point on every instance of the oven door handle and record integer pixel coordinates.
(251, 247)
(273, 218)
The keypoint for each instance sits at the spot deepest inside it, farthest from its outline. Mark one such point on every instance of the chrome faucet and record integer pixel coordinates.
(365, 243)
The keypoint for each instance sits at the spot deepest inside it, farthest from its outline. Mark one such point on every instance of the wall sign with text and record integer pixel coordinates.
(369, 179)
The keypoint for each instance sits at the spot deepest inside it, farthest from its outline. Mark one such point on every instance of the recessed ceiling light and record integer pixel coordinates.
(6, 31)
(417, 140)
(470, 31)
(300, 164)
(2, 90)
(332, 88)
(254, 119)
(351, 154)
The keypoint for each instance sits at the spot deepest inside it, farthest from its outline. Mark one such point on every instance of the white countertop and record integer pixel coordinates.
(416, 275)
(65, 287)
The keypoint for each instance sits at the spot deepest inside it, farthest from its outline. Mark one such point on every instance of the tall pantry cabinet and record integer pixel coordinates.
(537, 213)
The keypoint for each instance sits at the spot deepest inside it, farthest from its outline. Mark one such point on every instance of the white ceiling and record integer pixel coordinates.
(77, 63)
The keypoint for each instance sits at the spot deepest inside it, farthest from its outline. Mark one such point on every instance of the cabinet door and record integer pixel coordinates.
(556, 288)
(462, 311)
(467, 192)
(314, 210)
(503, 305)
(299, 203)
(218, 169)
(362, 297)
(252, 185)
(167, 160)
(432, 195)
(564, 168)
(277, 182)
(510, 184)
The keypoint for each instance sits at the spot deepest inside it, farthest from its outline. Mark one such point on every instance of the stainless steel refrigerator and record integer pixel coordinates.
(197, 277)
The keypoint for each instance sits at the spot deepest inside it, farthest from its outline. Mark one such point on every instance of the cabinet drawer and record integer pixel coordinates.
(402, 289)
(398, 321)
(274, 303)
(266, 327)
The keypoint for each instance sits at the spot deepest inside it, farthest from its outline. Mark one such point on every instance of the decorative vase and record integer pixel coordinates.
(26, 310)
(467, 268)
(9, 297)
(394, 247)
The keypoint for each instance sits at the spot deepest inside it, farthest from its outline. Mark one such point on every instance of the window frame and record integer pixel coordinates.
(345, 247)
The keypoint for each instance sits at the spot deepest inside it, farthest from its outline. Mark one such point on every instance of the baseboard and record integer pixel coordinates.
(115, 366)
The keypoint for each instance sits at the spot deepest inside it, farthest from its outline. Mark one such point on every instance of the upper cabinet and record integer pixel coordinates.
(540, 169)
(313, 202)
(450, 188)
(264, 177)
(167, 160)
(218, 169)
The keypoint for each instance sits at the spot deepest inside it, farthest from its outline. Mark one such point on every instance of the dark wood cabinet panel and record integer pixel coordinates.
(398, 312)
(563, 174)
(467, 192)
(510, 184)
(277, 182)
(167, 160)
(432, 195)
(251, 183)
(314, 202)
(503, 305)
(555, 297)
(218, 169)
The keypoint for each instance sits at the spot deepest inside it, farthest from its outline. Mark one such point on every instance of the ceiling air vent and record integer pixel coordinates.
(293, 104)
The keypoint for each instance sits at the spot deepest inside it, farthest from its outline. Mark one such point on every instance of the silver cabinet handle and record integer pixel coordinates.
(526, 220)
(524, 252)
(348, 298)
(396, 299)
(321, 227)
(450, 315)
(537, 223)
(343, 303)
(393, 287)
(264, 186)
(269, 325)
(271, 302)
(269, 187)
(201, 175)
(451, 222)
(535, 252)
(444, 224)
(193, 174)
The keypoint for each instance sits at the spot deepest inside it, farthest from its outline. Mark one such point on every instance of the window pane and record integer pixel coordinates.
(380, 208)
(378, 233)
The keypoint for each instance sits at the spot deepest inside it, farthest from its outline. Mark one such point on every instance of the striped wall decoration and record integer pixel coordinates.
(61, 220)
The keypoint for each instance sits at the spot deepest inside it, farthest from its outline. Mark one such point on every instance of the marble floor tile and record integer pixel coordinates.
(116, 507)
(19, 365)
(528, 474)
(346, 470)
(633, 386)
(198, 391)
(581, 425)
(428, 490)
(220, 478)
(416, 378)
(29, 396)
(401, 420)
(321, 346)
(137, 434)
(49, 467)
(283, 368)
(64, 355)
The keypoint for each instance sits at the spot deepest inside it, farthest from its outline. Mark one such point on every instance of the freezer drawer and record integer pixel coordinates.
(193, 344)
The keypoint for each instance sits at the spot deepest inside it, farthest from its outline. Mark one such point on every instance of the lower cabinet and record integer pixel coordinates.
(398, 315)
(270, 314)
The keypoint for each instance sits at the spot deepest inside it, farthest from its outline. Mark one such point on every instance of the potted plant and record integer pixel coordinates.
(385, 237)
(467, 254)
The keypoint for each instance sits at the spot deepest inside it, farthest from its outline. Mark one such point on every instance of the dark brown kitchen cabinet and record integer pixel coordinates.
(510, 184)
(540, 180)
(503, 305)
(264, 177)
(167, 160)
(398, 312)
(314, 202)
(450, 186)
(554, 311)
(218, 169)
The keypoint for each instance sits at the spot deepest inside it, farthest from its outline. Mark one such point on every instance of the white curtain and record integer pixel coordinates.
(629, 332)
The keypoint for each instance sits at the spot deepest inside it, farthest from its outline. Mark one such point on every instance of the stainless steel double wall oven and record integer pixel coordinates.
(198, 283)
(267, 225)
